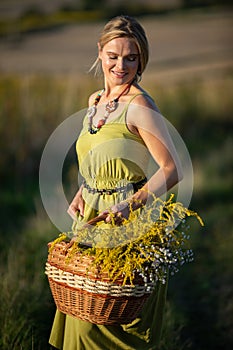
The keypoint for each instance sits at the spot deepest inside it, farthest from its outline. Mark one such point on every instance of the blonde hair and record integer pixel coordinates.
(125, 26)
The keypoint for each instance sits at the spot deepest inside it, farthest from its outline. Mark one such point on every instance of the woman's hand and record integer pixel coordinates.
(77, 205)
(121, 211)
(118, 212)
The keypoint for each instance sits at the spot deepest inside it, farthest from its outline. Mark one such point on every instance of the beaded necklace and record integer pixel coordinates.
(110, 107)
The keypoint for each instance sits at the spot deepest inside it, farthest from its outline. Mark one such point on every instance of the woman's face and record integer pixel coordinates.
(120, 60)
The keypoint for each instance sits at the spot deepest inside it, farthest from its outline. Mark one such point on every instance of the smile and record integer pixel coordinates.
(119, 74)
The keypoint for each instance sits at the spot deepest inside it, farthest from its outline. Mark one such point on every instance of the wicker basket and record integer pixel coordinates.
(92, 296)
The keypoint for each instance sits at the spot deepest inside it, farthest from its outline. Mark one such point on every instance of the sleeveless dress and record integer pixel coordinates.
(112, 158)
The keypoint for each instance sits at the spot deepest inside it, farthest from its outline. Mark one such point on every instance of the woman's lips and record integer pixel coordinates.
(119, 74)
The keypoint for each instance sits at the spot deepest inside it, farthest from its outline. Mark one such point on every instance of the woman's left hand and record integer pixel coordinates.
(118, 212)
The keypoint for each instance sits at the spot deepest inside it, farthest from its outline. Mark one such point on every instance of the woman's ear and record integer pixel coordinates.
(99, 51)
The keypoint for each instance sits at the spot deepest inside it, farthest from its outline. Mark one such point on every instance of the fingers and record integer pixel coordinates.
(117, 217)
(76, 206)
(72, 213)
(81, 209)
(118, 213)
(76, 209)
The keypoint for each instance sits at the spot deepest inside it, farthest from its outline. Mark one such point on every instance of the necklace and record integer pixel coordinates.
(110, 107)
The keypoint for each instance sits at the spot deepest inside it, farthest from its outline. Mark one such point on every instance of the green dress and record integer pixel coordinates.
(111, 158)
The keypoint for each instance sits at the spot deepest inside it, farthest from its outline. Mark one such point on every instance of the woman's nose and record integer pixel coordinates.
(120, 64)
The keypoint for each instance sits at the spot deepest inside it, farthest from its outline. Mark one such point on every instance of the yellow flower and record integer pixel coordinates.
(151, 243)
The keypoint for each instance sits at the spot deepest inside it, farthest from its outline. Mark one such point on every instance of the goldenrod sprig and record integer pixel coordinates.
(151, 243)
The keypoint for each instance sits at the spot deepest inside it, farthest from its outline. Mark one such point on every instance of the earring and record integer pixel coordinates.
(139, 76)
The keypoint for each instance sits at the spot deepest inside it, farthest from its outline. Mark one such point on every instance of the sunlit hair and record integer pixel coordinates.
(120, 27)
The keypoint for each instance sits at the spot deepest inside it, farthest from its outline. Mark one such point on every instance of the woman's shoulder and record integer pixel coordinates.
(143, 98)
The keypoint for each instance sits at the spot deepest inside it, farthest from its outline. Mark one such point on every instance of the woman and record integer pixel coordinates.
(121, 130)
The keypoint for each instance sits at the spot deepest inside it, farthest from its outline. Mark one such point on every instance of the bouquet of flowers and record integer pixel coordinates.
(105, 273)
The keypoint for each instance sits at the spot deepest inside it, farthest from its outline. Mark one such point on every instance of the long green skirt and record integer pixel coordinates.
(143, 333)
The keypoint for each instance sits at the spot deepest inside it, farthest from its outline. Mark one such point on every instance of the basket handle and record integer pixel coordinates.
(92, 222)
(96, 219)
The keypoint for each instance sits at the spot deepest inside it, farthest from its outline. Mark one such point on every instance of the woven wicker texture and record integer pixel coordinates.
(96, 286)
(91, 295)
(96, 308)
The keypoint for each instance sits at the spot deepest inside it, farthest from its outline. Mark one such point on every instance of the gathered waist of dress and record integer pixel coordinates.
(120, 189)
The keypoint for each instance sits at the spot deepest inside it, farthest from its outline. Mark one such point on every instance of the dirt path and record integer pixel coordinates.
(180, 46)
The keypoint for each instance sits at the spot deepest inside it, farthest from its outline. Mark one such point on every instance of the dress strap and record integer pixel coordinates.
(123, 114)
(133, 97)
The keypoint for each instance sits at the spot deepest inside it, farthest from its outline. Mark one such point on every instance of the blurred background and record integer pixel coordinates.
(46, 49)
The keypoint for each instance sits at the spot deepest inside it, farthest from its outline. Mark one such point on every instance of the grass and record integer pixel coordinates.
(27, 309)
(199, 309)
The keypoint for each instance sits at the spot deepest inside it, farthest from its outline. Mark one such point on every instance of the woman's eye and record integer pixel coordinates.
(129, 58)
(132, 58)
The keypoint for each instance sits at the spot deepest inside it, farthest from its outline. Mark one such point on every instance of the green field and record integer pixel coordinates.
(200, 305)
(199, 310)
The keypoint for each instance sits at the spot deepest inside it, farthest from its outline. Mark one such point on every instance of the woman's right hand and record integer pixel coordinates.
(77, 205)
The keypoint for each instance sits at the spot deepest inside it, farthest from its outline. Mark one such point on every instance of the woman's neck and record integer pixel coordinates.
(113, 91)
